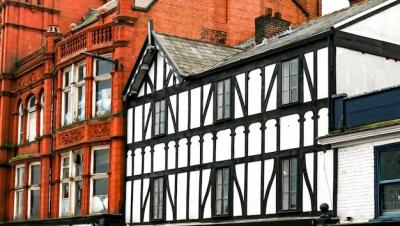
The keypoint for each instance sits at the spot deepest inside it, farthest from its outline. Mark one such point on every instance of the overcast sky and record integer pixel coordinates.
(332, 5)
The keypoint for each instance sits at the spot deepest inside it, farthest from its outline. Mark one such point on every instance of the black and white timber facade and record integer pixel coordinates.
(222, 135)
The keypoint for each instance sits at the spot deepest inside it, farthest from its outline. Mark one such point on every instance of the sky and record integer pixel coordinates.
(329, 6)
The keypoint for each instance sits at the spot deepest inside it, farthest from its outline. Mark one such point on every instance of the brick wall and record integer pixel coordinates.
(356, 181)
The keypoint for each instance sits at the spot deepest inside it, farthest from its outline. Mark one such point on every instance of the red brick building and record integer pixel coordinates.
(64, 64)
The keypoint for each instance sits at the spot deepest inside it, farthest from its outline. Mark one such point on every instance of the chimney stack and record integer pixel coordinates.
(268, 26)
(354, 2)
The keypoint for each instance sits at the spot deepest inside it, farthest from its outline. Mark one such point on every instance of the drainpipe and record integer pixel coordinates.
(54, 73)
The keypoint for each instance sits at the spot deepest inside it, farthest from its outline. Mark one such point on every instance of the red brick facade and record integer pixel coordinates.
(35, 57)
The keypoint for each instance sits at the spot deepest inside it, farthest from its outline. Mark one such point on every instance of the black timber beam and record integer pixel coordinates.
(367, 45)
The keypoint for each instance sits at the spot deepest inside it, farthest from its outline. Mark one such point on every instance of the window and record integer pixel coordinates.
(223, 100)
(34, 191)
(290, 81)
(41, 114)
(74, 94)
(158, 199)
(71, 184)
(222, 192)
(20, 124)
(388, 180)
(159, 117)
(31, 119)
(289, 184)
(19, 192)
(99, 180)
(102, 87)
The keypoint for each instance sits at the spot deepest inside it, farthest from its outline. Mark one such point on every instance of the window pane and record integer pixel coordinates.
(158, 199)
(65, 168)
(390, 197)
(225, 208)
(103, 67)
(67, 108)
(218, 206)
(78, 197)
(100, 187)
(103, 98)
(390, 165)
(81, 103)
(78, 164)
(285, 83)
(294, 66)
(67, 79)
(20, 205)
(294, 81)
(35, 174)
(35, 197)
(294, 95)
(285, 69)
(285, 97)
(81, 73)
(101, 161)
(20, 177)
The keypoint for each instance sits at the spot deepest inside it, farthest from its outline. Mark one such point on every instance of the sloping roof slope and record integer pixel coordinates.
(192, 57)
(312, 28)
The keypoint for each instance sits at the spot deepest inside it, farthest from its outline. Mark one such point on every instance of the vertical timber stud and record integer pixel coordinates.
(331, 75)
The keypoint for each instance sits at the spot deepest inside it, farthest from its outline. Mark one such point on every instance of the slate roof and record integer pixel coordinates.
(310, 29)
(192, 57)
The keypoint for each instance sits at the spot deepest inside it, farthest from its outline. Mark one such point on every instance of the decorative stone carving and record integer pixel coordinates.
(71, 137)
(99, 131)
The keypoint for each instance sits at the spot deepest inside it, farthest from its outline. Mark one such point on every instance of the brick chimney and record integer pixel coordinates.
(354, 2)
(268, 26)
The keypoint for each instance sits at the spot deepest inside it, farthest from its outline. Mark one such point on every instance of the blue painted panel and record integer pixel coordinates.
(367, 109)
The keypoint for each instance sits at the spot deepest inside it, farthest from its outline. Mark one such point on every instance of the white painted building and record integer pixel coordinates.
(218, 135)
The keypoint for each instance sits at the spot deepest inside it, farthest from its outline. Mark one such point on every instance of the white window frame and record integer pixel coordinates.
(98, 176)
(98, 79)
(18, 190)
(75, 84)
(71, 180)
(31, 135)
(33, 187)
(20, 124)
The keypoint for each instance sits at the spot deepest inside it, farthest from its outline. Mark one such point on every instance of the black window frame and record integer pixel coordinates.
(377, 182)
(230, 194)
(231, 104)
(162, 219)
(279, 185)
(165, 118)
(300, 84)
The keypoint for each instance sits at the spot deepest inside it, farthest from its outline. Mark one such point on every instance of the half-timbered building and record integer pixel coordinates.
(228, 136)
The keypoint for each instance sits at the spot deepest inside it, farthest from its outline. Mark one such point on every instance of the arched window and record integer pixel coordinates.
(41, 114)
(31, 119)
(20, 124)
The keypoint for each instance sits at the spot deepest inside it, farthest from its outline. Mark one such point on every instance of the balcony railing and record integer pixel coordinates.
(86, 40)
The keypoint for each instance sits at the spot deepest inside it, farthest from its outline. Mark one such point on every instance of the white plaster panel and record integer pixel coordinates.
(308, 129)
(146, 183)
(181, 201)
(129, 126)
(238, 107)
(128, 196)
(306, 197)
(138, 123)
(195, 151)
(129, 160)
(207, 207)
(325, 177)
(159, 157)
(290, 132)
(136, 201)
(193, 197)
(323, 73)
(169, 211)
(147, 160)
(270, 136)
(152, 74)
(137, 162)
(255, 83)
(271, 202)
(255, 139)
(268, 169)
(239, 142)
(147, 116)
(183, 111)
(369, 72)
(208, 148)
(171, 155)
(223, 151)
(382, 26)
(182, 153)
(160, 72)
(195, 108)
(237, 211)
(254, 192)
(323, 122)
(171, 128)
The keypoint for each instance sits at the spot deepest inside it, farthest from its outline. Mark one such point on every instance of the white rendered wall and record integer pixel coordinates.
(382, 26)
(369, 72)
(356, 181)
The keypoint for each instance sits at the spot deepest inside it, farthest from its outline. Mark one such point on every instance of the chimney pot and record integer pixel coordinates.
(268, 12)
(354, 2)
(278, 15)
